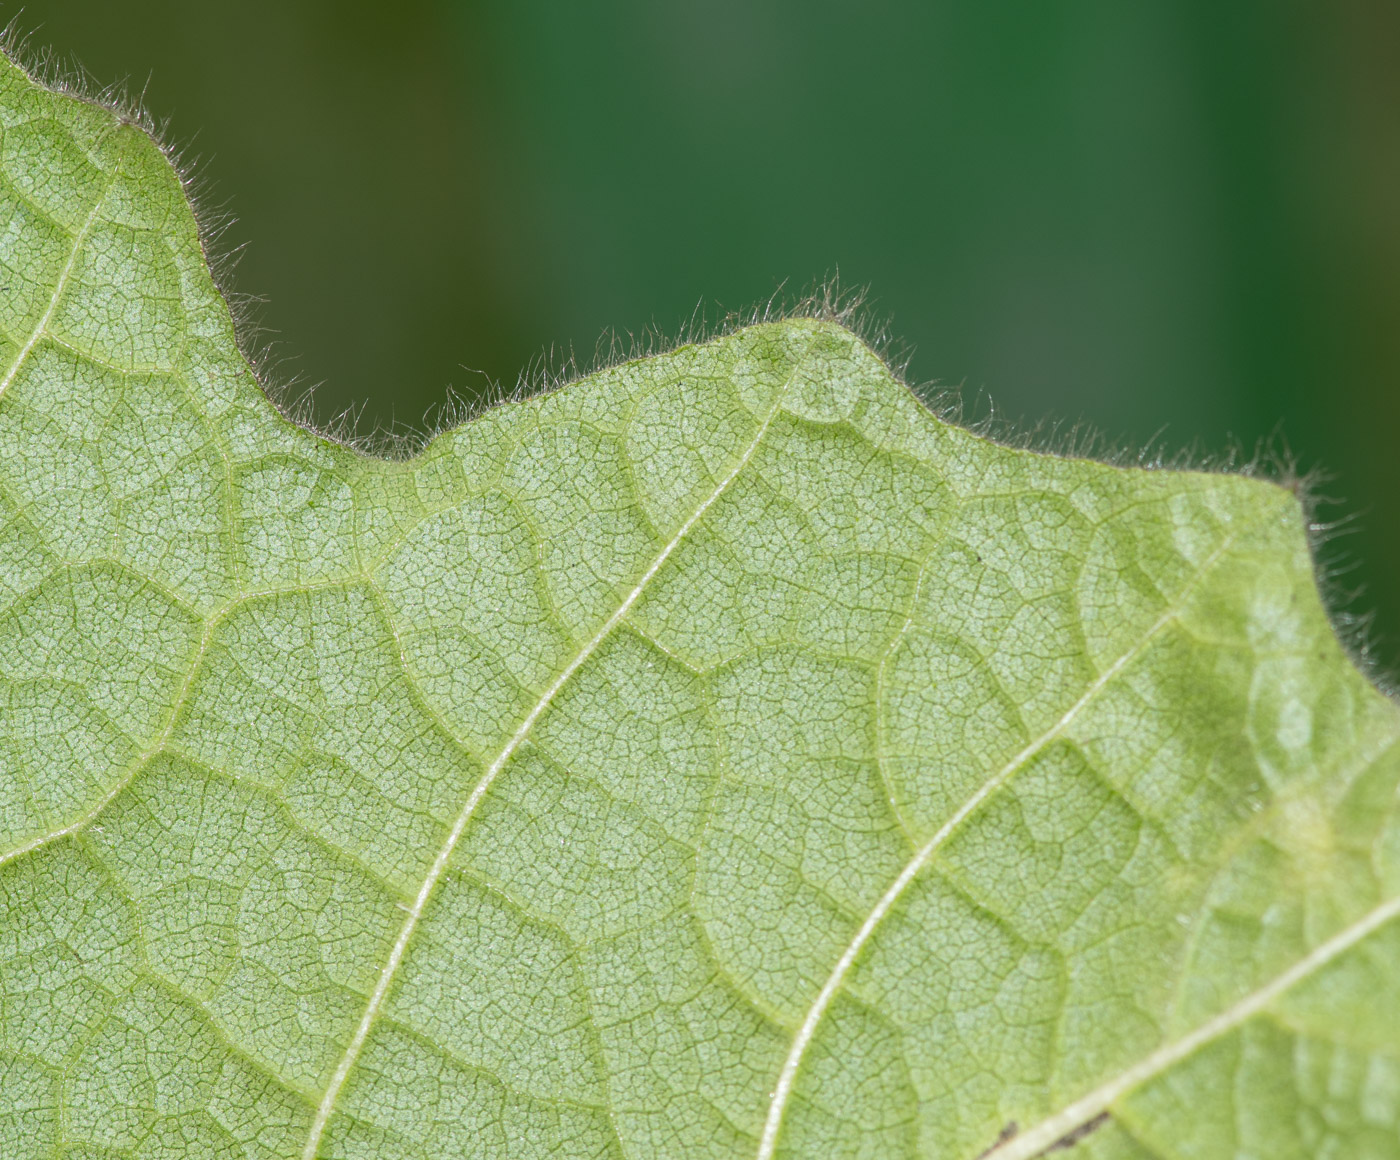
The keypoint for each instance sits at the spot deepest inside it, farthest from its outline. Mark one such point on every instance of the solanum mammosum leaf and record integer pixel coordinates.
(718, 757)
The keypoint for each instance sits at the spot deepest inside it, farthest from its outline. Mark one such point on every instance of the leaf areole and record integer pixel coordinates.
(720, 756)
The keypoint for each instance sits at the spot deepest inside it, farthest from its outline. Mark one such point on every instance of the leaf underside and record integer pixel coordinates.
(718, 757)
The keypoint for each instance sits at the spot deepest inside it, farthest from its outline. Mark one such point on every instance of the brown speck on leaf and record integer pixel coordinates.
(1070, 1139)
(1007, 1133)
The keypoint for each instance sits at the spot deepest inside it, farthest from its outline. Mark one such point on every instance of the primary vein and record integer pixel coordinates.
(782, 1091)
(439, 864)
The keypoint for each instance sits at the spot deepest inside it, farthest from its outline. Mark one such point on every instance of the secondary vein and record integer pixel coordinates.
(1049, 1131)
(210, 627)
(439, 864)
(782, 1091)
(42, 326)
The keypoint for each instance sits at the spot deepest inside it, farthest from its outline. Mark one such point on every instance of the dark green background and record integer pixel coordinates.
(1171, 218)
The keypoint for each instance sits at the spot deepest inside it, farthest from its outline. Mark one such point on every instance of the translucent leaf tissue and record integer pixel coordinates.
(720, 756)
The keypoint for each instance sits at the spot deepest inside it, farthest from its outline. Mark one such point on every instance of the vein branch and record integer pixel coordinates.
(835, 981)
(439, 865)
(211, 626)
(1099, 1102)
(64, 276)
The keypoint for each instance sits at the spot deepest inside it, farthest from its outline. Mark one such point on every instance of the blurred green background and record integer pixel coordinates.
(1171, 219)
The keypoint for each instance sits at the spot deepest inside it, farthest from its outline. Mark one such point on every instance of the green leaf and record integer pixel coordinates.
(718, 757)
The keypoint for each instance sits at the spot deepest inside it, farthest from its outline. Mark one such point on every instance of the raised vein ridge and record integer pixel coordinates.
(343, 1069)
(93, 812)
(41, 327)
(1036, 1140)
(782, 1091)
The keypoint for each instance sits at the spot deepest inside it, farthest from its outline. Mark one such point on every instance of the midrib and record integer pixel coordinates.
(347, 1062)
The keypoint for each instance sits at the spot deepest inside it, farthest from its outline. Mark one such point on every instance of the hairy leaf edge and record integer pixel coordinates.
(827, 302)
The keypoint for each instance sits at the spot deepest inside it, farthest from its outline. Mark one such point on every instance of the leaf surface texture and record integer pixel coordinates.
(720, 756)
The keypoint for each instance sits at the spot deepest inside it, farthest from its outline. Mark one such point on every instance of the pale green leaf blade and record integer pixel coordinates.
(718, 757)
